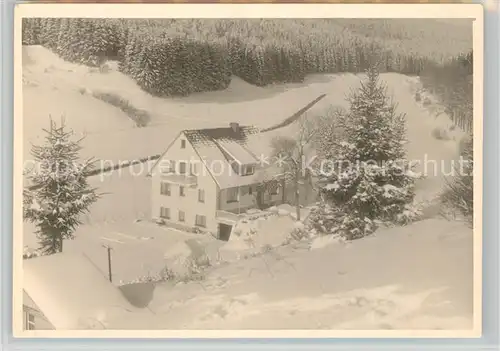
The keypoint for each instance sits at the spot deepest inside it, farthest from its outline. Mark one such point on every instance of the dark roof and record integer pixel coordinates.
(208, 136)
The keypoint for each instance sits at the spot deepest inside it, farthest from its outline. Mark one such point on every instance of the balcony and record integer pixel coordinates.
(180, 179)
(227, 217)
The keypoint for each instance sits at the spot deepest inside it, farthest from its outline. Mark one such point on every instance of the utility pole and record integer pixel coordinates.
(239, 201)
(108, 248)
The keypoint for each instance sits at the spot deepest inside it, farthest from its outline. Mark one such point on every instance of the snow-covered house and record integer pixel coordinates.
(206, 177)
(66, 291)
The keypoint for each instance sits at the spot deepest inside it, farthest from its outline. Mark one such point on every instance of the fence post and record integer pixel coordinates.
(110, 274)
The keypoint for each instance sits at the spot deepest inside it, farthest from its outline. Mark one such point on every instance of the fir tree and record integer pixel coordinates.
(60, 192)
(126, 64)
(30, 31)
(76, 34)
(63, 39)
(459, 193)
(49, 32)
(369, 179)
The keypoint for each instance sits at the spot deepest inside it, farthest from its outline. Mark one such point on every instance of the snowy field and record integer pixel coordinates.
(364, 284)
(53, 87)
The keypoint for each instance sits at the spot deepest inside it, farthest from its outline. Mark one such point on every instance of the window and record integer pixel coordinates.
(232, 195)
(172, 166)
(201, 195)
(182, 216)
(165, 189)
(250, 190)
(30, 321)
(182, 167)
(182, 192)
(165, 212)
(201, 221)
(193, 169)
(183, 144)
(247, 170)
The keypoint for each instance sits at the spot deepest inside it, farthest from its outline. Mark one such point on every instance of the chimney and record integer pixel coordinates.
(235, 127)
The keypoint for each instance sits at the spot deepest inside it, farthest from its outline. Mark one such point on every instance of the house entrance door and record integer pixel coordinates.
(224, 231)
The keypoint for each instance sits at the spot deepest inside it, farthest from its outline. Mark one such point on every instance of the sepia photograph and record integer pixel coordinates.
(276, 173)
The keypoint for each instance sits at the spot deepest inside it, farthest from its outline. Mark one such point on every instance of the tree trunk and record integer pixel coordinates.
(258, 199)
(61, 244)
(297, 194)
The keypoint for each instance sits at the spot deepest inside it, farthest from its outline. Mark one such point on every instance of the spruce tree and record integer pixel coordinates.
(369, 180)
(99, 42)
(76, 37)
(59, 193)
(30, 31)
(63, 39)
(459, 193)
(49, 32)
(126, 64)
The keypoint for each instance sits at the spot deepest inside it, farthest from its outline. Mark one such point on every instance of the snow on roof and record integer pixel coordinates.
(229, 134)
(72, 292)
(247, 145)
(28, 302)
(238, 152)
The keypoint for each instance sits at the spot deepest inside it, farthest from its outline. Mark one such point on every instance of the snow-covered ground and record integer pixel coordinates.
(372, 283)
(419, 276)
(53, 87)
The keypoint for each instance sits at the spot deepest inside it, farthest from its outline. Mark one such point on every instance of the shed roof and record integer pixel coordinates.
(72, 292)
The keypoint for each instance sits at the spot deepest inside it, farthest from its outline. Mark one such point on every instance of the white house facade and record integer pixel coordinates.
(207, 177)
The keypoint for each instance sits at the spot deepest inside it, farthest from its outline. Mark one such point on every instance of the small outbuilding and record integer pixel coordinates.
(66, 291)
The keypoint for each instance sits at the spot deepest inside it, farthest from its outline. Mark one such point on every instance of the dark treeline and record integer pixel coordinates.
(178, 57)
(452, 83)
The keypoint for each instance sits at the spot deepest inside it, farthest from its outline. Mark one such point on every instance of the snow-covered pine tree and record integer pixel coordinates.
(99, 43)
(59, 193)
(138, 42)
(27, 37)
(90, 42)
(459, 193)
(49, 32)
(370, 180)
(122, 33)
(220, 67)
(191, 65)
(177, 77)
(336, 64)
(259, 56)
(145, 77)
(207, 61)
(127, 61)
(63, 39)
(75, 37)
(30, 31)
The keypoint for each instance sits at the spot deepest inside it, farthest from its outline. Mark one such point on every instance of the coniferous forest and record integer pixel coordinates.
(452, 83)
(169, 57)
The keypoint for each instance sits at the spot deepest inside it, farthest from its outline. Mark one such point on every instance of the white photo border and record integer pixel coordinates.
(488, 247)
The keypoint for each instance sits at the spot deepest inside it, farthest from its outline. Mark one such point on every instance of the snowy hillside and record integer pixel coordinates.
(111, 136)
(418, 276)
(362, 285)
